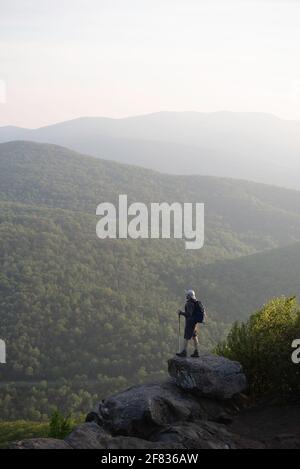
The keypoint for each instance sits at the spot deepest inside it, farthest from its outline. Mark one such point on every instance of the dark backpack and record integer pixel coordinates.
(199, 312)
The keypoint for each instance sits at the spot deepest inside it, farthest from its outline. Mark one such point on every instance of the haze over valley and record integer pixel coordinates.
(252, 146)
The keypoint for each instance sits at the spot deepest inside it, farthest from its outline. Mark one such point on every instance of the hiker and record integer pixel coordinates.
(194, 313)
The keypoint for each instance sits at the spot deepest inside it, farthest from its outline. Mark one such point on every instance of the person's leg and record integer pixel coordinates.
(183, 353)
(185, 344)
(196, 343)
(188, 332)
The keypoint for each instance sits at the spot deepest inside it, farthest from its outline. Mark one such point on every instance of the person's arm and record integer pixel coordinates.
(181, 313)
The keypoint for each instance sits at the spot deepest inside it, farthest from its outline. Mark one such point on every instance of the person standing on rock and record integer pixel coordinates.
(194, 314)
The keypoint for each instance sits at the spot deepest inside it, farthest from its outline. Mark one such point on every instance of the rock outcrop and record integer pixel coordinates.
(189, 410)
(143, 410)
(209, 375)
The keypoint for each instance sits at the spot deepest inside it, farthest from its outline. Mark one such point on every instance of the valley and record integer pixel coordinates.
(84, 317)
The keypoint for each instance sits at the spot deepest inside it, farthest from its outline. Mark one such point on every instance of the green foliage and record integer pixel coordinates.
(60, 426)
(21, 430)
(263, 346)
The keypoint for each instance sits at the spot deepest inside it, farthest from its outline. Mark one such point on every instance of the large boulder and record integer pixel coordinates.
(209, 375)
(91, 436)
(142, 410)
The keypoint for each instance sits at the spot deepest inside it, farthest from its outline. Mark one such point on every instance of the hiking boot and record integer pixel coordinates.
(182, 354)
(195, 354)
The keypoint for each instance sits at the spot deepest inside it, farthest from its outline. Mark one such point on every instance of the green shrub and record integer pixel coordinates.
(60, 426)
(263, 346)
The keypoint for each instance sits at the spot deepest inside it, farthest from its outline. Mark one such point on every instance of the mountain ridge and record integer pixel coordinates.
(253, 146)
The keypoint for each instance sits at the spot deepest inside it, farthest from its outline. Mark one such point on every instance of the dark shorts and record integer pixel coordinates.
(190, 329)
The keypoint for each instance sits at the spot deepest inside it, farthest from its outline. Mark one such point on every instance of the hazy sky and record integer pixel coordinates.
(61, 59)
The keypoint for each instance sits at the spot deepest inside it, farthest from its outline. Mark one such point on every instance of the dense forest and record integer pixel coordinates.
(83, 317)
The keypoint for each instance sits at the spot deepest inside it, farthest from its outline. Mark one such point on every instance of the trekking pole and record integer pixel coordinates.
(179, 333)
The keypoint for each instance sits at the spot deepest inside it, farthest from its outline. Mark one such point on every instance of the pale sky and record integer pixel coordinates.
(62, 59)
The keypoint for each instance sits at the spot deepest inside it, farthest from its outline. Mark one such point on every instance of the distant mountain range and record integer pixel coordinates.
(252, 146)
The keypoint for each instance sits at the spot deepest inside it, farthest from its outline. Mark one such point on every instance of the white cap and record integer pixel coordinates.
(190, 294)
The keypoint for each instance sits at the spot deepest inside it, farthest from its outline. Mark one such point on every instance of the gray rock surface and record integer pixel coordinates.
(142, 410)
(199, 435)
(91, 436)
(209, 375)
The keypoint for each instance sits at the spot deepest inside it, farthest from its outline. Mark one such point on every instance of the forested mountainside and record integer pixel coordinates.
(82, 316)
(47, 175)
(243, 285)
